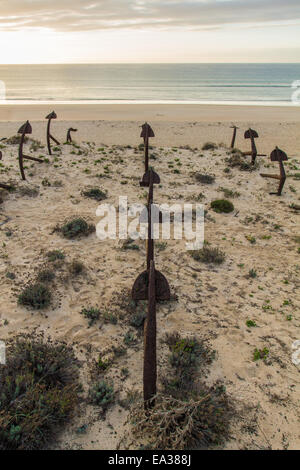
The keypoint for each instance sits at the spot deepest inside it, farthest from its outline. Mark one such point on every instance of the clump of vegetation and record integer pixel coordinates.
(129, 338)
(189, 415)
(251, 323)
(46, 275)
(251, 239)
(10, 275)
(129, 245)
(36, 296)
(103, 364)
(260, 354)
(186, 354)
(55, 255)
(209, 255)
(36, 145)
(204, 179)
(252, 274)
(92, 314)
(138, 319)
(15, 140)
(27, 191)
(95, 193)
(237, 159)
(178, 424)
(110, 318)
(209, 146)
(230, 193)
(76, 267)
(222, 206)
(75, 228)
(39, 392)
(102, 394)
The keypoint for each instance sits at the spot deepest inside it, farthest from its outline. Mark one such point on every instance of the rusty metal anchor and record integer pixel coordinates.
(234, 136)
(252, 135)
(150, 285)
(146, 133)
(278, 156)
(49, 136)
(69, 138)
(25, 129)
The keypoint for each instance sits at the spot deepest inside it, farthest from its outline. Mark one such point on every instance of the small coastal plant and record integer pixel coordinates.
(95, 193)
(222, 206)
(39, 392)
(92, 314)
(36, 296)
(102, 394)
(75, 228)
(204, 179)
(209, 146)
(208, 255)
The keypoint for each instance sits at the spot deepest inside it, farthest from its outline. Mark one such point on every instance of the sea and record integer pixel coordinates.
(257, 84)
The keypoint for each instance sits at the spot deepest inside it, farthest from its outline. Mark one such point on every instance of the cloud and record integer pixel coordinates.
(84, 15)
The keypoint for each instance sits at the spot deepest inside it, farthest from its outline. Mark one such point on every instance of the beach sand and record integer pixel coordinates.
(214, 301)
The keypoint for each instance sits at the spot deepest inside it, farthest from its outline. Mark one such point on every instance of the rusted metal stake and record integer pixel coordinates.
(69, 138)
(151, 285)
(25, 129)
(252, 135)
(146, 133)
(234, 136)
(150, 362)
(278, 156)
(49, 136)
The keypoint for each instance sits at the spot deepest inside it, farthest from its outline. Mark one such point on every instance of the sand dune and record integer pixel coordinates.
(214, 302)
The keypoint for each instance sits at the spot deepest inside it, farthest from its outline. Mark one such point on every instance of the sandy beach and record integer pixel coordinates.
(214, 302)
(174, 124)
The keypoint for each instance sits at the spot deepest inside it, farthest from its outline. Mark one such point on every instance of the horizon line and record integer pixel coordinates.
(152, 63)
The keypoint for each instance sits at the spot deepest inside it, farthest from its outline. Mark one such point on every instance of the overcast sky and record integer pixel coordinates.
(58, 31)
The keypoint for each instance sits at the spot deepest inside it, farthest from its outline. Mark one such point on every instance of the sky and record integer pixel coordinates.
(149, 31)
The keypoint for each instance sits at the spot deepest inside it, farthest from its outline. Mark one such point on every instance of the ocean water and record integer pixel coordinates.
(196, 83)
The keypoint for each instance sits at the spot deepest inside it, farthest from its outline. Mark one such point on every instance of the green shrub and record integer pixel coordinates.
(55, 255)
(209, 146)
(46, 275)
(76, 228)
(138, 319)
(251, 323)
(209, 255)
(76, 267)
(96, 194)
(15, 140)
(92, 314)
(229, 193)
(205, 179)
(110, 317)
(102, 394)
(129, 338)
(102, 364)
(36, 296)
(188, 423)
(129, 245)
(252, 273)
(39, 392)
(260, 354)
(222, 206)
